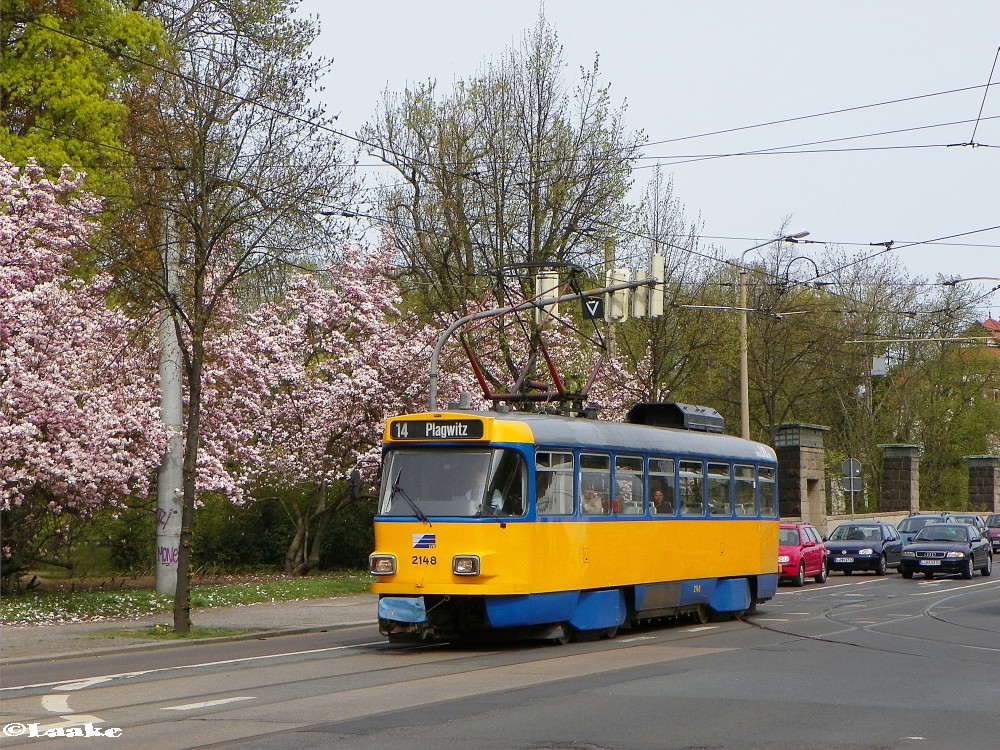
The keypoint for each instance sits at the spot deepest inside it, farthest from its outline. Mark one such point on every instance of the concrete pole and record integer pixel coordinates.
(168, 493)
(744, 343)
(744, 365)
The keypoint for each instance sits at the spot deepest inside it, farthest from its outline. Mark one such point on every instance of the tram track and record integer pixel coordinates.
(865, 615)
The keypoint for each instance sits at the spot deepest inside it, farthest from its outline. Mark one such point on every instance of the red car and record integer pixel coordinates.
(993, 529)
(801, 553)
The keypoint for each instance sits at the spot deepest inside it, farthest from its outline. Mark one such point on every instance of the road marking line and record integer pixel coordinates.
(120, 675)
(829, 586)
(704, 627)
(957, 589)
(56, 704)
(83, 683)
(207, 704)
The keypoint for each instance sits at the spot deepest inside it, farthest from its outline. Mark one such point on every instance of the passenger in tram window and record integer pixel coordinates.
(661, 504)
(592, 503)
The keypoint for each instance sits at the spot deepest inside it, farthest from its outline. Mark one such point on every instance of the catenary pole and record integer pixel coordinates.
(168, 490)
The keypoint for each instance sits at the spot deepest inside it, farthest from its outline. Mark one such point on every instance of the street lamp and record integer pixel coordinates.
(744, 368)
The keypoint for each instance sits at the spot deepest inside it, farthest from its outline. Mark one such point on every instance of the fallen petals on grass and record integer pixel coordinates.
(55, 608)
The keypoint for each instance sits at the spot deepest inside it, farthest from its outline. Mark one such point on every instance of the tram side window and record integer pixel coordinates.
(692, 486)
(746, 502)
(554, 483)
(768, 493)
(662, 489)
(629, 496)
(506, 487)
(718, 489)
(595, 484)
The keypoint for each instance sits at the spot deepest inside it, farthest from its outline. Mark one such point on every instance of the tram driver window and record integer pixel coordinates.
(505, 493)
(554, 473)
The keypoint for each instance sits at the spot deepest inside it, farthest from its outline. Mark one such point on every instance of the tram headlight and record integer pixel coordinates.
(465, 565)
(382, 565)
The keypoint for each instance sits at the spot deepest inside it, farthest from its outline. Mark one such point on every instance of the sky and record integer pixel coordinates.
(871, 147)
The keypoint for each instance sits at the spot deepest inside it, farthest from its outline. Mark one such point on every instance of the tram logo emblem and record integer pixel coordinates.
(424, 541)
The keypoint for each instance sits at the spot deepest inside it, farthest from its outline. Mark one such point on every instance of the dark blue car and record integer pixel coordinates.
(947, 548)
(910, 525)
(864, 545)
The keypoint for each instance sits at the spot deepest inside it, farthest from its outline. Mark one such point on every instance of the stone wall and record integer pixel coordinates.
(900, 478)
(984, 484)
(801, 471)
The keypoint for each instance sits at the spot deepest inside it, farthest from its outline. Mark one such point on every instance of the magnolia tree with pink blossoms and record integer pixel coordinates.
(79, 427)
(297, 394)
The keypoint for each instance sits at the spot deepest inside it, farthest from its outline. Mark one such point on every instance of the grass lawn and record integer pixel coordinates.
(40, 607)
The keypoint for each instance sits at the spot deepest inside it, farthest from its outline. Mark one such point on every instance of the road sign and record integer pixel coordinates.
(851, 468)
(851, 484)
(593, 308)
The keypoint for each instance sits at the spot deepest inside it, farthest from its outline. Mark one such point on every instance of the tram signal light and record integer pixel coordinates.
(546, 289)
(640, 297)
(616, 303)
(657, 271)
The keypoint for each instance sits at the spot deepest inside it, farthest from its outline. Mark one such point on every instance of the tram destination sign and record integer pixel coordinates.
(437, 429)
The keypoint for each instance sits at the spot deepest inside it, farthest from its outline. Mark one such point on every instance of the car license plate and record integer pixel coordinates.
(930, 562)
(843, 559)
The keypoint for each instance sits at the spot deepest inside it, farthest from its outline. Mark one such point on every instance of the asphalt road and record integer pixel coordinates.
(857, 662)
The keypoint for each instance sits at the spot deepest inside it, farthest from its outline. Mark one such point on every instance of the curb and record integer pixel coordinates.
(152, 645)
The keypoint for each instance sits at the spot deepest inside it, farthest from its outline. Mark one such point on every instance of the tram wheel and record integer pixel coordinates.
(565, 638)
(703, 614)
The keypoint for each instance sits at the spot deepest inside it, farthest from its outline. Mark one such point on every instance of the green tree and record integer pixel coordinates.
(959, 416)
(512, 167)
(682, 349)
(251, 167)
(65, 66)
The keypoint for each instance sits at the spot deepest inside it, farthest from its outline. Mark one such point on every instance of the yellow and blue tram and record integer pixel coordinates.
(535, 525)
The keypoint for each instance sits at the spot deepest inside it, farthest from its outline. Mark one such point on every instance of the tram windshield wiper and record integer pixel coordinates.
(396, 487)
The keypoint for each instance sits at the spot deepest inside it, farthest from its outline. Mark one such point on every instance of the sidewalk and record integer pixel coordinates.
(43, 642)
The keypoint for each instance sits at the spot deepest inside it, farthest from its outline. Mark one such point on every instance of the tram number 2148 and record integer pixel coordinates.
(424, 560)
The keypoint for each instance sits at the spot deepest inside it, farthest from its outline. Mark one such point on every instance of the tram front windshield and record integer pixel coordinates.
(470, 483)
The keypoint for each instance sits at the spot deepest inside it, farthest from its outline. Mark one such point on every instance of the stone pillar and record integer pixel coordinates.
(900, 478)
(984, 484)
(801, 474)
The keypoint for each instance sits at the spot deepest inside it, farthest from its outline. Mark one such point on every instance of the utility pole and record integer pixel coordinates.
(168, 491)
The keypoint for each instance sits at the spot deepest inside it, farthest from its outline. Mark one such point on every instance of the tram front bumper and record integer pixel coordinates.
(398, 615)
(402, 609)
